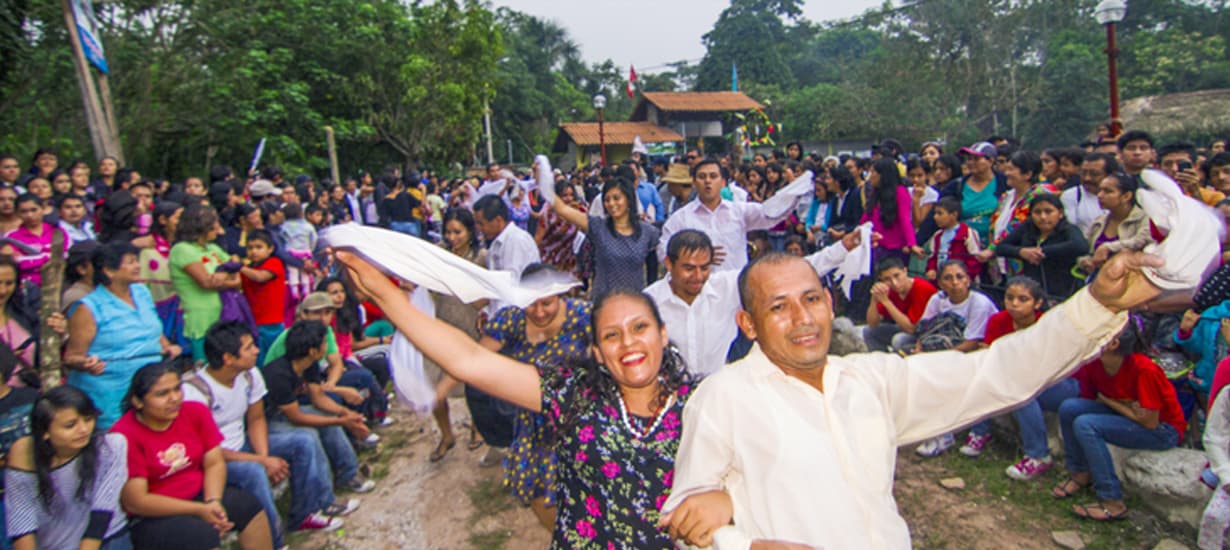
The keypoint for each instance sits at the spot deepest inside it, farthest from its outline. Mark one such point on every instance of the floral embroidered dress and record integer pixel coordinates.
(612, 484)
(530, 467)
(1020, 212)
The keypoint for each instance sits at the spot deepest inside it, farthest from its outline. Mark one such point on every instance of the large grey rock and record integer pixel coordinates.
(1068, 539)
(1170, 544)
(1168, 481)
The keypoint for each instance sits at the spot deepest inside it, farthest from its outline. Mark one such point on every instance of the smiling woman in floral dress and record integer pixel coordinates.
(616, 419)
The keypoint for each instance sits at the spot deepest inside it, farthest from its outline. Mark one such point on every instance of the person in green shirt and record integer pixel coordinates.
(194, 262)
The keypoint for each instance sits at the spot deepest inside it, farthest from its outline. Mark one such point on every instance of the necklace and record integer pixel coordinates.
(623, 413)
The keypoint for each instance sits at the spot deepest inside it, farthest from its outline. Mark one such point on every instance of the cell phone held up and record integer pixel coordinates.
(1183, 166)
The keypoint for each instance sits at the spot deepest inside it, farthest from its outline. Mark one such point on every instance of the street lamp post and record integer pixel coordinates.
(1109, 13)
(599, 105)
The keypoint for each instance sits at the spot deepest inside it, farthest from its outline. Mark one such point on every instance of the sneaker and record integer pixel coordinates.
(360, 485)
(974, 444)
(339, 508)
(319, 521)
(1029, 468)
(387, 421)
(372, 439)
(936, 446)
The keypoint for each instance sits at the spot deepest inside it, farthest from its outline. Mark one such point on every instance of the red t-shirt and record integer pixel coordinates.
(1139, 379)
(268, 299)
(1000, 325)
(171, 461)
(914, 303)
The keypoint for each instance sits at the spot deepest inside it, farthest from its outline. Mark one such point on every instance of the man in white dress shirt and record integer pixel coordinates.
(805, 445)
(1080, 202)
(726, 222)
(699, 306)
(510, 248)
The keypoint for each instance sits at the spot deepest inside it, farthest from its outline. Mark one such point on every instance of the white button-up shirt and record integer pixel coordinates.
(512, 250)
(727, 226)
(816, 468)
(1081, 207)
(704, 329)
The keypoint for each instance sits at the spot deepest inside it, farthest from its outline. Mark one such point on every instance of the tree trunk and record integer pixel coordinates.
(49, 341)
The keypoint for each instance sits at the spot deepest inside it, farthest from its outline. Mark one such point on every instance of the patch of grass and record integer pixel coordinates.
(488, 497)
(1032, 503)
(490, 540)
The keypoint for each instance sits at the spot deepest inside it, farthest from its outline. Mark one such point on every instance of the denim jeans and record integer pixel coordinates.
(251, 477)
(1032, 424)
(1088, 426)
(881, 336)
(409, 228)
(341, 455)
(359, 378)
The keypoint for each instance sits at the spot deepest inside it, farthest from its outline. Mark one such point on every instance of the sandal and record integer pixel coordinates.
(1061, 490)
(476, 440)
(441, 450)
(1083, 511)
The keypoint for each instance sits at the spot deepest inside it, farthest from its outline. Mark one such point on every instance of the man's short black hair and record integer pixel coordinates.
(1111, 163)
(1181, 147)
(688, 240)
(491, 207)
(773, 257)
(303, 338)
(1134, 135)
(220, 172)
(705, 162)
(887, 264)
(222, 338)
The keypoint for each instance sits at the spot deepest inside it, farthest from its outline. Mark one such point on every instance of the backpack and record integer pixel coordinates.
(197, 381)
(944, 331)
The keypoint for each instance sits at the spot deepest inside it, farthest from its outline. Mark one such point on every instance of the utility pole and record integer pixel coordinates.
(487, 127)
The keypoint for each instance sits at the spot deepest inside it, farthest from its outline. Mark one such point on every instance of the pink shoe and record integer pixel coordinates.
(974, 444)
(1029, 468)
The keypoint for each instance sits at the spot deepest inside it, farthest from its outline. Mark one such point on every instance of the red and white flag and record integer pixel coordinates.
(631, 82)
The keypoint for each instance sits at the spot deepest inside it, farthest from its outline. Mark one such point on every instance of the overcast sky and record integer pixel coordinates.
(650, 33)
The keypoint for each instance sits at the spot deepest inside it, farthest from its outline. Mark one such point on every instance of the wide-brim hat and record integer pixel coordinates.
(678, 173)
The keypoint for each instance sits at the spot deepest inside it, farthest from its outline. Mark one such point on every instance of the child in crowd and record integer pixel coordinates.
(300, 239)
(974, 310)
(953, 241)
(315, 215)
(1023, 301)
(1217, 446)
(1205, 335)
(1126, 400)
(63, 481)
(897, 304)
(264, 286)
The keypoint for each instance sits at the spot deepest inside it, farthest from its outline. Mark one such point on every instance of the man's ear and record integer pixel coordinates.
(744, 320)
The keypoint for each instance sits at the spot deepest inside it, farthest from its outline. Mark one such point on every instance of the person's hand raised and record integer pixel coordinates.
(1121, 285)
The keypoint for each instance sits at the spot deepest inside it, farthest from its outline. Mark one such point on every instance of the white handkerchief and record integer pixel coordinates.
(1194, 232)
(410, 381)
(781, 202)
(858, 261)
(427, 265)
(544, 179)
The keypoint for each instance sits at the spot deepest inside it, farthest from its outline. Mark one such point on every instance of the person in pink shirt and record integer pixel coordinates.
(889, 212)
(32, 246)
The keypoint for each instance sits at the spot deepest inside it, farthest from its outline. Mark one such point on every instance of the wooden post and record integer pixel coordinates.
(49, 340)
(113, 129)
(103, 134)
(333, 171)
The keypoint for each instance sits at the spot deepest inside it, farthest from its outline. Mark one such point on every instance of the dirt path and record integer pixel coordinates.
(456, 505)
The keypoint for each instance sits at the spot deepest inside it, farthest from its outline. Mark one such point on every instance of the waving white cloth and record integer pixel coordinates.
(784, 200)
(410, 380)
(1193, 233)
(544, 179)
(427, 265)
(857, 263)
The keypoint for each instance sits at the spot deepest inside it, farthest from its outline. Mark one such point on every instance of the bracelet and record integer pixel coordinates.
(209, 500)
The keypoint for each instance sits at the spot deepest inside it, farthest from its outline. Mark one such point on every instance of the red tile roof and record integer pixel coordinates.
(702, 101)
(618, 133)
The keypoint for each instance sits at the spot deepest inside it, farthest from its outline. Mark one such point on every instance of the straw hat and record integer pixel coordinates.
(678, 173)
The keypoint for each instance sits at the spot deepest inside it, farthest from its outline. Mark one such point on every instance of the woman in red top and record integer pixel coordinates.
(1125, 400)
(176, 472)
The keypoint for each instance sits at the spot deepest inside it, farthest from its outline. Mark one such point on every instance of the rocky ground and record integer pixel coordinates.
(454, 504)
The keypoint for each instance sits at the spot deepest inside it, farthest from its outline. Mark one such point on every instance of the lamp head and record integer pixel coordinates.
(599, 101)
(1110, 11)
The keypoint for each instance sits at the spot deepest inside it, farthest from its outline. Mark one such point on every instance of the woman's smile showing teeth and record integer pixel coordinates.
(632, 359)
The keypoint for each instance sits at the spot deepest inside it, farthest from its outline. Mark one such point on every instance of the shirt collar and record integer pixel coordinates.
(762, 368)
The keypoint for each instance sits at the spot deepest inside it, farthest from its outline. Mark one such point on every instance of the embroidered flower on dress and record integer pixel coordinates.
(586, 433)
(586, 529)
(610, 470)
(591, 506)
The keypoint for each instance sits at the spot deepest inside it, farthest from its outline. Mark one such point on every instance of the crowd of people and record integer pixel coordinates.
(214, 348)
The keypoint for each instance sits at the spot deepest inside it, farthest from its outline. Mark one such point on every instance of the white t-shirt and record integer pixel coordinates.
(230, 404)
(976, 310)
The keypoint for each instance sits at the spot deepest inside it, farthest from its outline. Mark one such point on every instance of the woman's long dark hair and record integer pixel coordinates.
(44, 411)
(348, 320)
(593, 379)
(886, 193)
(15, 307)
(464, 217)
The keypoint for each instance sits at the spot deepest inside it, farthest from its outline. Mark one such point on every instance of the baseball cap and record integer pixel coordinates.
(316, 301)
(262, 188)
(981, 149)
